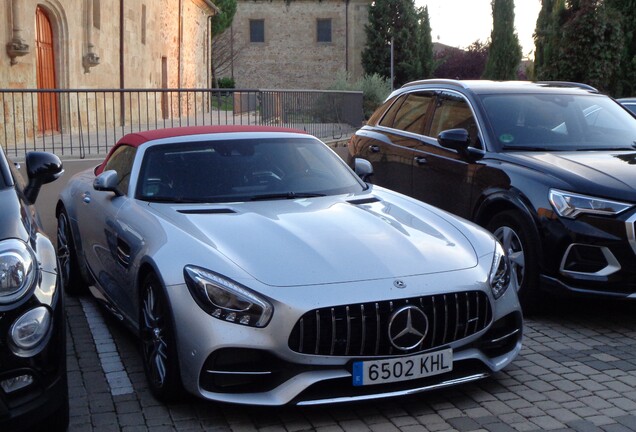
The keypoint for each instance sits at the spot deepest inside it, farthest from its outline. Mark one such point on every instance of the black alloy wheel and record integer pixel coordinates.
(72, 280)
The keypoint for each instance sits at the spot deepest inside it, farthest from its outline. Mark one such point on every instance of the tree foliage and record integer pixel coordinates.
(587, 41)
(455, 63)
(505, 52)
(425, 63)
(392, 21)
(223, 51)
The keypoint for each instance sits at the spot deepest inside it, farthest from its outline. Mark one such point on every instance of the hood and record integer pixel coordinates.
(12, 218)
(326, 240)
(601, 173)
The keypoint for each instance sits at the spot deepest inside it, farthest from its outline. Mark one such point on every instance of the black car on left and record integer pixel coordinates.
(33, 384)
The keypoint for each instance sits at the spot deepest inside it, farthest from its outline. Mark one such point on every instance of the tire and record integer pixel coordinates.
(516, 234)
(158, 342)
(72, 280)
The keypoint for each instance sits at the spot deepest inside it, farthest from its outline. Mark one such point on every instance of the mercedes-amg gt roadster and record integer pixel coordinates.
(256, 267)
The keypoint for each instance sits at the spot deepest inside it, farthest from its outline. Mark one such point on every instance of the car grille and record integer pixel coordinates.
(363, 329)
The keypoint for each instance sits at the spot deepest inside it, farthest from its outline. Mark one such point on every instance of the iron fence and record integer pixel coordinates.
(80, 123)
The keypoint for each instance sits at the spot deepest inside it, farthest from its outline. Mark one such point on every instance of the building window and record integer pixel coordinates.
(323, 30)
(143, 24)
(97, 14)
(257, 30)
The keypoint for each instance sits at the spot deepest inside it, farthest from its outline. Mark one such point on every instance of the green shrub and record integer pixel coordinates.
(226, 82)
(375, 89)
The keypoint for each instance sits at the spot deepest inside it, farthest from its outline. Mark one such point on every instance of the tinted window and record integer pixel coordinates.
(559, 122)
(453, 112)
(121, 161)
(242, 170)
(410, 113)
(257, 30)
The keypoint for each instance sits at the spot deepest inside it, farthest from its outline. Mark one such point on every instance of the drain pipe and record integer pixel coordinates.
(90, 59)
(16, 47)
(122, 104)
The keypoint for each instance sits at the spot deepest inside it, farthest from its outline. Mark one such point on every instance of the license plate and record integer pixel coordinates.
(402, 368)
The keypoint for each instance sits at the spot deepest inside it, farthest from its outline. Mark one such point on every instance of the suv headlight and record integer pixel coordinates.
(17, 270)
(499, 277)
(227, 300)
(570, 205)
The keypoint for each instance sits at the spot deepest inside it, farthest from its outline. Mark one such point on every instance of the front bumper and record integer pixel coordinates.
(591, 255)
(47, 393)
(238, 364)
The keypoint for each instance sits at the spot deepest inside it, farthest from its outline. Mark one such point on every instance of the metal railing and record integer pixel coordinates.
(80, 123)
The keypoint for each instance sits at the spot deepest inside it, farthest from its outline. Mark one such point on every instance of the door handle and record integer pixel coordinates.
(375, 149)
(421, 160)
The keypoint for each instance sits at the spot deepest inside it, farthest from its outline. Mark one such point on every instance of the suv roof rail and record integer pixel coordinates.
(436, 81)
(567, 84)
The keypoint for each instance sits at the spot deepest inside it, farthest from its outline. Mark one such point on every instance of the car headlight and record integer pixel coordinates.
(28, 331)
(17, 270)
(227, 300)
(570, 205)
(499, 278)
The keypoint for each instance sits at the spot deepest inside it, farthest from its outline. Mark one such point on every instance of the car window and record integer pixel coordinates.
(453, 112)
(243, 170)
(559, 122)
(411, 114)
(121, 161)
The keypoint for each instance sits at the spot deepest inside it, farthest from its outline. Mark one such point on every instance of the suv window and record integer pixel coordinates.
(121, 161)
(410, 113)
(453, 112)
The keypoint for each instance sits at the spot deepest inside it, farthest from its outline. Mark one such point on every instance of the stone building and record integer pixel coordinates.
(96, 44)
(296, 44)
(104, 43)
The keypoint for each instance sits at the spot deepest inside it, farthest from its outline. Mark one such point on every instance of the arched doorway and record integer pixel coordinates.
(48, 109)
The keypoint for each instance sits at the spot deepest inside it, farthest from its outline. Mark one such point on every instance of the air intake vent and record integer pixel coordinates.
(207, 211)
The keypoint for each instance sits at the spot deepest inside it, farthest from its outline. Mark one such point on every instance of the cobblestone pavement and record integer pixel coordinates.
(577, 371)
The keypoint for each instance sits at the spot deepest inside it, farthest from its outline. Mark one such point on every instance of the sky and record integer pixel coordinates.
(459, 23)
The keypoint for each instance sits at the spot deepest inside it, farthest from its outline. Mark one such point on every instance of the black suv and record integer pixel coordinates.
(549, 168)
(33, 385)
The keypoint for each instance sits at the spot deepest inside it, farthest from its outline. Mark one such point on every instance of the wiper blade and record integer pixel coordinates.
(285, 195)
(175, 200)
(526, 148)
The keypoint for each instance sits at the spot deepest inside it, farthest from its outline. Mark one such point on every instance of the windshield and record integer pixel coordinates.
(243, 170)
(553, 122)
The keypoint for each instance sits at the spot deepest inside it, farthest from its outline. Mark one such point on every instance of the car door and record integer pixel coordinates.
(441, 176)
(389, 147)
(107, 251)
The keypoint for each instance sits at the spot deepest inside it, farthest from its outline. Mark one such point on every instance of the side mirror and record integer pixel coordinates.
(42, 168)
(363, 168)
(108, 181)
(455, 139)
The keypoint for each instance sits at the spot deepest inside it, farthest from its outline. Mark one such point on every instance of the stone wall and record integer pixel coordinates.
(291, 57)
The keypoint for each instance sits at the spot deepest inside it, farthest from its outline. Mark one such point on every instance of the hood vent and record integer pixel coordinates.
(364, 201)
(207, 211)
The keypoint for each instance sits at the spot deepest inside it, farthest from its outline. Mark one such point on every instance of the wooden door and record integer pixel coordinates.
(48, 116)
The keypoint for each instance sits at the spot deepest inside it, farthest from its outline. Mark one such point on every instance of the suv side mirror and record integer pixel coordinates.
(42, 168)
(108, 181)
(363, 168)
(455, 139)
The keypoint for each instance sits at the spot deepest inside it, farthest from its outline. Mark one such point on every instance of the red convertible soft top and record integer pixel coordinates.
(135, 139)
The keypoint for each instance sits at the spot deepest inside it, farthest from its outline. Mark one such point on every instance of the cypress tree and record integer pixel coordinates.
(424, 44)
(505, 51)
(392, 20)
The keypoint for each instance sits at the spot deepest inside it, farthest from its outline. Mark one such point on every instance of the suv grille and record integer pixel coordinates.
(363, 329)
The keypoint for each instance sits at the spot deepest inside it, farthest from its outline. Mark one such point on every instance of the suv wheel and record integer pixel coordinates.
(515, 233)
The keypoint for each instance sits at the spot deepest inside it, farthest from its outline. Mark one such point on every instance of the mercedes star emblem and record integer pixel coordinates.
(408, 327)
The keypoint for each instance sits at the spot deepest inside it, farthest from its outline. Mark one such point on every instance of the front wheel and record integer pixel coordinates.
(158, 342)
(516, 235)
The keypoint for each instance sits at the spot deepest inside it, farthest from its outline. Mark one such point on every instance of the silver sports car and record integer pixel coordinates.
(258, 268)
